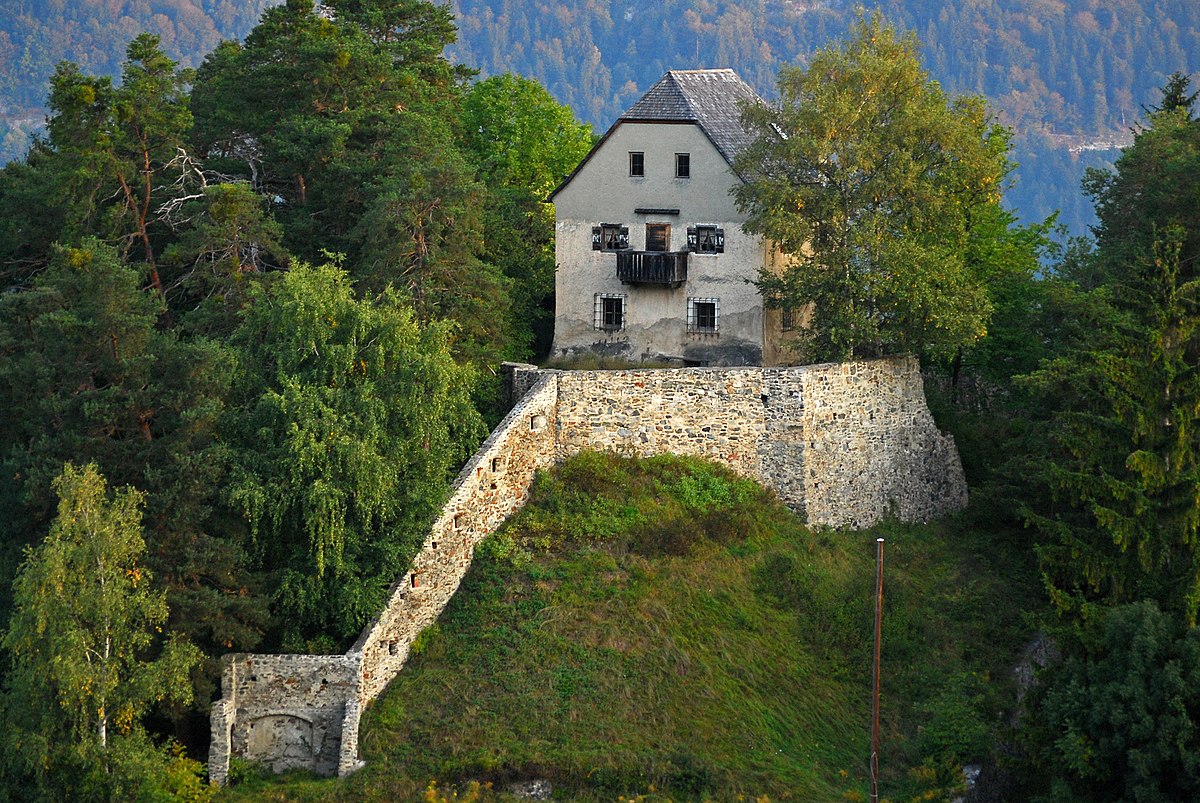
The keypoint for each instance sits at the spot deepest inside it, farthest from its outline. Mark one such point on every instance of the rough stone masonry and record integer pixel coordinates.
(845, 444)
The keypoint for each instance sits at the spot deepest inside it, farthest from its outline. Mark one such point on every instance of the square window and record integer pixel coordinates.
(658, 236)
(610, 312)
(637, 163)
(610, 237)
(683, 165)
(702, 315)
(706, 240)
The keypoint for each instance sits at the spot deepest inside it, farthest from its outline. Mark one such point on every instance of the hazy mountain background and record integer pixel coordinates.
(1070, 76)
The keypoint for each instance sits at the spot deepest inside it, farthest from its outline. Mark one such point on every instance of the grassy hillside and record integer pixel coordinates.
(662, 628)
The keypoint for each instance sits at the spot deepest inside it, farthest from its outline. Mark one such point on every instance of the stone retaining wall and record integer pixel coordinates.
(844, 443)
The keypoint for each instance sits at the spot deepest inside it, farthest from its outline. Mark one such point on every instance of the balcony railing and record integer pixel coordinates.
(652, 267)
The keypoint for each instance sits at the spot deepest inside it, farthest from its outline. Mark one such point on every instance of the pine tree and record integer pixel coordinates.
(1126, 474)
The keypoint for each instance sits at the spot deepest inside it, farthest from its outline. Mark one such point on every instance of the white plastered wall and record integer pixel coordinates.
(656, 317)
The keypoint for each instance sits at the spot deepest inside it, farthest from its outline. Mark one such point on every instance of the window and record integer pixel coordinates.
(702, 315)
(683, 165)
(787, 319)
(658, 236)
(610, 237)
(637, 163)
(610, 312)
(706, 240)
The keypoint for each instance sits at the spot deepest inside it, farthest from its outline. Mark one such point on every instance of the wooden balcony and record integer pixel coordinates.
(666, 268)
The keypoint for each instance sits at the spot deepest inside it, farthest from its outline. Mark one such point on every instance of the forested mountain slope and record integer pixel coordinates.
(1066, 74)
(37, 34)
(1069, 75)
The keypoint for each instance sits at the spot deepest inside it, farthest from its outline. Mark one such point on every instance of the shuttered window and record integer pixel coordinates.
(706, 240)
(658, 236)
(610, 237)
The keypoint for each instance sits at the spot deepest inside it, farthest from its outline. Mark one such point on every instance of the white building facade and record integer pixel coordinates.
(653, 264)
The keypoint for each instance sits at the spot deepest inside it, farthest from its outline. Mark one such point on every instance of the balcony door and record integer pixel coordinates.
(658, 236)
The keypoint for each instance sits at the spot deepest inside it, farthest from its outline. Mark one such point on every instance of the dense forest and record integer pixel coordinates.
(1068, 77)
(35, 36)
(1064, 75)
(251, 311)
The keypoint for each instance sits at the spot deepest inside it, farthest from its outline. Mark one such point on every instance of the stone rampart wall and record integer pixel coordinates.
(704, 412)
(288, 711)
(845, 443)
(490, 487)
(872, 448)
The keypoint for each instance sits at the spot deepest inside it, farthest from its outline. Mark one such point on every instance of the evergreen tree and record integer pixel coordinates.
(1175, 96)
(1116, 721)
(1124, 474)
(121, 143)
(93, 378)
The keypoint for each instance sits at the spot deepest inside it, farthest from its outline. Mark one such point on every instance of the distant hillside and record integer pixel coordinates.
(1050, 67)
(663, 628)
(37, 34)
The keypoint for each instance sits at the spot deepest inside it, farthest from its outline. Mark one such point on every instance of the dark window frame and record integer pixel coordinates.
(637, 164)
(609, 312)
(704, 316)
(683, 165)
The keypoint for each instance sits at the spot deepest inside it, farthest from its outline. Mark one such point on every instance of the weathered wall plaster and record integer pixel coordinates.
(656, 316)
(845, 443)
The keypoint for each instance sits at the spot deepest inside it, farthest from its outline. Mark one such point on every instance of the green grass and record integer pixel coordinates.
(663, 628)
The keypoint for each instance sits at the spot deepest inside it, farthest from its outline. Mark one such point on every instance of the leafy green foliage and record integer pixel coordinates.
(81, 677)
(352, 419)
(1117, 720)
(93, 378)
(523, 143)
(870, 179)
(348, 126)
(225, 238)
(120, 143)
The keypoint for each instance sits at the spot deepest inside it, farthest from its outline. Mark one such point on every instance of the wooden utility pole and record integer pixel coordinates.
(875, 673)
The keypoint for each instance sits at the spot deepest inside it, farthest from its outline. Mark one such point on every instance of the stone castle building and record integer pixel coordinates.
(652, 261)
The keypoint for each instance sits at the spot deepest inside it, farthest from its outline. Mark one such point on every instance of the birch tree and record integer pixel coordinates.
(84, 633)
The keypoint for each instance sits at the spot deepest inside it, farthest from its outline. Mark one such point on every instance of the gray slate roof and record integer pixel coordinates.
(708, 98)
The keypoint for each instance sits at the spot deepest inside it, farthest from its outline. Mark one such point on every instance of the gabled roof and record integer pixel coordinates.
(710, 99)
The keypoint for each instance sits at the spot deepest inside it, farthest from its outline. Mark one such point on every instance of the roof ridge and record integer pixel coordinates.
(687, 99)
